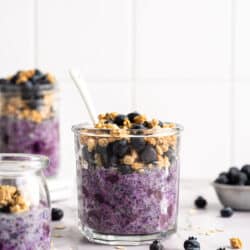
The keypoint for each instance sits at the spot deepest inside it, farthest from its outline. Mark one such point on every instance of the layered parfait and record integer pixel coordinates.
(128, 176)
(28, 116)
(22, 225)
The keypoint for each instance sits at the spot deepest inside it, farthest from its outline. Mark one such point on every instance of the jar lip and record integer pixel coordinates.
(15, 163)
(87, 129)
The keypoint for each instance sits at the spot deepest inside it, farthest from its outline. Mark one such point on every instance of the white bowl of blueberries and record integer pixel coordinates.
(233, 188)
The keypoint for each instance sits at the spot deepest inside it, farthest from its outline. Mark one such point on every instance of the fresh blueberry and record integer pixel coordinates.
(233, 175)
(119, 120)
(88, 156)
(222, 179)
(156, 245)
(170, 154)
(221, 248)
(38, 72)
(200, 202)
(148, 155)
(35, 104)
(138, 143)
(132, 115)
(138, 126)
(56, 214)
(160, 123)
(125, 169)
(242, 179)
(120, 148)
(246, 169)
(191, 244)
(5, 209)
(226, 212)
(14, 78)
(146, 124)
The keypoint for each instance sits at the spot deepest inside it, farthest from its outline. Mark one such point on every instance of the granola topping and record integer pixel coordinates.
(128, 142)
(236, 243)
(11, 200)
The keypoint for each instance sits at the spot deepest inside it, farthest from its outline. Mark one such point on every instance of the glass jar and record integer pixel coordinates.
(29, 121)
(128, 183)
(24, 203)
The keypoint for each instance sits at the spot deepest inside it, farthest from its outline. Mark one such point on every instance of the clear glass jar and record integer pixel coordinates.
(29, 122)
(24, 203)
(128, 183)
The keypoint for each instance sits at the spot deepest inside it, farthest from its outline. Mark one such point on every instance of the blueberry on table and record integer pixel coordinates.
(200, 202)
(132, 115)
(170, 154)
(156, 245)
(191, 244)
(148, 155)
(138, 143)
(56, 214)
(119, 120)
(226, 212)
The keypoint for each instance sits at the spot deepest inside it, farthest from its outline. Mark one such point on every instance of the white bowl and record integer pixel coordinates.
(236, 197)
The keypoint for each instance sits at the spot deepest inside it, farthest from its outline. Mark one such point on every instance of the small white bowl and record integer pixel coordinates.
(236, 197)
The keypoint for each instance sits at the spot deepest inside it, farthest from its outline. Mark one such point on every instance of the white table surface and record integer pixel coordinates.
(211, 230)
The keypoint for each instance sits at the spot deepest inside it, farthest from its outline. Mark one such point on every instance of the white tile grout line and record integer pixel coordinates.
(35, 31)
(133, 55)
(232, 80)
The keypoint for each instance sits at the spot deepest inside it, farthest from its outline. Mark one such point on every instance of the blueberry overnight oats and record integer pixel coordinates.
(22, 226)
(24, 203)
(28, 116)
(128, 178)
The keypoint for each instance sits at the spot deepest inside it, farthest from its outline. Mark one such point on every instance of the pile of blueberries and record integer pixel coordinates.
(235, 176)
(31, 90)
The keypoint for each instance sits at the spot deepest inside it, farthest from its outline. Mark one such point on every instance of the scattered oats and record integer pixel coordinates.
(59, 227)
(57, 235)
(219, 230)
(192, 211)
(120, 248)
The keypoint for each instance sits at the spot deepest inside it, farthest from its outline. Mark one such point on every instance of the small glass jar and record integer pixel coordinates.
(24, 203)
(128, 183)
(29, 120)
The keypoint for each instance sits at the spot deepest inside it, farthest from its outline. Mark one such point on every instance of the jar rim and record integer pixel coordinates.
(87, 129)
(18, 164)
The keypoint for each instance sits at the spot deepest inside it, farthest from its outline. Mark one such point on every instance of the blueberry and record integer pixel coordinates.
(156, 245)
(125, 169)
(38, 96)
(35, 104)
(191, 244)
(200, 202)
(246, 169)
(170, 154)
(226, 212)
(119, 120)
(138, 126)
(146, 124)
(242, 179)
(132, 115)
(3, 81)
(221, 248)
(56, 214)
(120, 148)
(38, 72)
(160, 123)
(148, 155)
(222, 179)
(138, 143)
(233, 175)
(27, 89)
(14, 78)
(5, 209)
(88, 156)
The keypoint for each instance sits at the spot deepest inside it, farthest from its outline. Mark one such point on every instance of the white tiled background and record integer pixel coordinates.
(185, 61)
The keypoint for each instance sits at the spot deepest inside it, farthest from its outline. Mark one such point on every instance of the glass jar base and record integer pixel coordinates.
(123, 240)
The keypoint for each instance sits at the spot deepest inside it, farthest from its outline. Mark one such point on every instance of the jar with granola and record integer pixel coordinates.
(128, 178)
(24, 203)
(29, 116)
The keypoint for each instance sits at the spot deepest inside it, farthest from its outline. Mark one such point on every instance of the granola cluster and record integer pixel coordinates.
(236, 243)
(130, 143)
(28, 95)
(11, 200)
